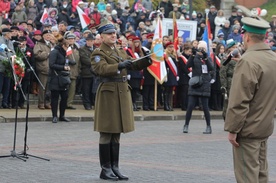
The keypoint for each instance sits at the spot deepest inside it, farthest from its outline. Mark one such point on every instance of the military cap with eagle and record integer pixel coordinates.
(106, 27)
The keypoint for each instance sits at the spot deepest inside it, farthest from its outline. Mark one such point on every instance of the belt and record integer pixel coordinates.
(122, 79)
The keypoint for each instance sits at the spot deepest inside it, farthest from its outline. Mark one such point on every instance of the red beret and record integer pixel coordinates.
(130, 37)
(136, 38)
(150, 35)
(37, 32)
(168, 44)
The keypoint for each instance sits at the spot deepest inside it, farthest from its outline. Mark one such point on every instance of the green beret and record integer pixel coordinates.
(254, 25)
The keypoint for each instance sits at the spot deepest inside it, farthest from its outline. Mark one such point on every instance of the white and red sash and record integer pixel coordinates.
(171, 64)
(185, 60)
(218, 61)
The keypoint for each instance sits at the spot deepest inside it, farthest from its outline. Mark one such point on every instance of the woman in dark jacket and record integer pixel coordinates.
(201, 66)
(172, 76)
(57, 65)
(184, 77)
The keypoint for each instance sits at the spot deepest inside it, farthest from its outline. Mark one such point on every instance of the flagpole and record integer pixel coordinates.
(155, 95)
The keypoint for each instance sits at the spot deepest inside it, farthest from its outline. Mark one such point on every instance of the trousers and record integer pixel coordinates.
(250, 161)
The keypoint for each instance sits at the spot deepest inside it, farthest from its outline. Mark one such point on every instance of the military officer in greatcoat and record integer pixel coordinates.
(252, 103)
(113, 106)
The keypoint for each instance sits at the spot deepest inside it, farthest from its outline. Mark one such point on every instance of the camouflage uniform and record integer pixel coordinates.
(226, 74)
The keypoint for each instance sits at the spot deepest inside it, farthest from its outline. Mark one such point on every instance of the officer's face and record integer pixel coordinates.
(110, 38)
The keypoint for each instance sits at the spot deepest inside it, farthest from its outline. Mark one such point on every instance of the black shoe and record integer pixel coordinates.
(5, 106)
(64, 119)
(185, 128)
(71, 107)
(208, 130)
(55, 119)
(88, 108)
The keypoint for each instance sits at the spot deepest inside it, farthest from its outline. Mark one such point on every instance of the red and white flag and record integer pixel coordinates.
(158, 67)
(75, 5)
(44, 15)
(84, 19)
(69, 51)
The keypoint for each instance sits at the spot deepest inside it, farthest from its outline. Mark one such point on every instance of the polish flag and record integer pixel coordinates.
(44, 15)
(69, 51)
(84, 19)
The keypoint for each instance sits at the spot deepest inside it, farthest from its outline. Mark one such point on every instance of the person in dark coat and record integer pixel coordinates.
(86, 73)
(215, 101)
(167, 5)
(57, 64)
(172, 76)
(28, 61)
(201, 66)
(183, 72)
(211, 16)
(135, 76)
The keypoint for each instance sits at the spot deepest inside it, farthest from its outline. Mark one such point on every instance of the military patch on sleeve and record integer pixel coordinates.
(97, 58)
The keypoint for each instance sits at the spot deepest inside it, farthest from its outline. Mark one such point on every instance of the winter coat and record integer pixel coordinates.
(113, 106)
(183, 71)
(41, 54)
(74, 62)
(3, 54)
(171, 78)
(31, 12)
(85, 62)
(196, 63)
(57, 59)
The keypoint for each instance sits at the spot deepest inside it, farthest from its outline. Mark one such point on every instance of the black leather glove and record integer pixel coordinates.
(204, 54)
(194, 51)
(125, 64)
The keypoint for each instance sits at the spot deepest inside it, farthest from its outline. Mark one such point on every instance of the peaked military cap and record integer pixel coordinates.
(106, 28)
(254, 25)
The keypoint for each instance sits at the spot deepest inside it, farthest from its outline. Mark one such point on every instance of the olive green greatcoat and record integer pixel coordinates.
(113, 106)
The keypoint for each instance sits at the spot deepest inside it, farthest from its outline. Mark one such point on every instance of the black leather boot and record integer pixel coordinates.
(166, 102)
(115, 149)
(169, 101)
(135, 107)
(105, 161)
(185, 128)
(208, 130)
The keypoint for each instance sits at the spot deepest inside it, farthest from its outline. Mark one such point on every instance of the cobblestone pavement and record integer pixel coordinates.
(157, 151)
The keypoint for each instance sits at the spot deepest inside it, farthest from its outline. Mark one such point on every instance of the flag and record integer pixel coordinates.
(75, 5)
(158, 67)
(84, 19)
(44, 15)
(69, 51)
(207, 37)
(175, 34)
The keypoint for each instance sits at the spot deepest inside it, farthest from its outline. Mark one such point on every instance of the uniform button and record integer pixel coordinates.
(120, 91)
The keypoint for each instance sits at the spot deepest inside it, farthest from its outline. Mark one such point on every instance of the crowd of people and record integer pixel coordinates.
(24, 29)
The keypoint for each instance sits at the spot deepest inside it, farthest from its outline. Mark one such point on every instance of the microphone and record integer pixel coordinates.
(234, 53)
(8, 50)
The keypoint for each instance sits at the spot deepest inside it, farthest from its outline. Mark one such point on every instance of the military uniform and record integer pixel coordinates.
(113, 106)
(251, 107)
(226, 74)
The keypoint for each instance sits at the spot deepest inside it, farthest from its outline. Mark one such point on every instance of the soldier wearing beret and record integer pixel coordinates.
(113, 106)
(252, 103)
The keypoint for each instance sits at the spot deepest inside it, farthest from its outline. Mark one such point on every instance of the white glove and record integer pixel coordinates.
(190, 74)
(177, 78)
(128, 77)
(166, 79)
(212, 81)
